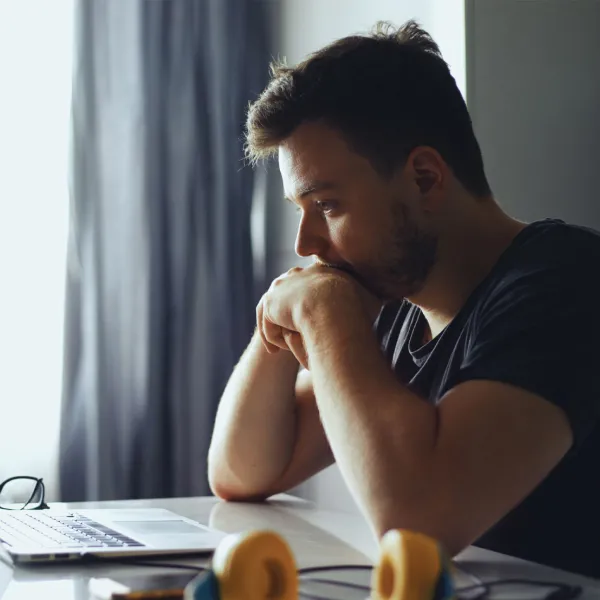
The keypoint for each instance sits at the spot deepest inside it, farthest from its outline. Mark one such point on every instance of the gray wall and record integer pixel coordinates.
(304, 26)
(533, 89)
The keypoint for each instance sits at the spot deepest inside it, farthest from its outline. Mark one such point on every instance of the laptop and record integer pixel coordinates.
(59, 535)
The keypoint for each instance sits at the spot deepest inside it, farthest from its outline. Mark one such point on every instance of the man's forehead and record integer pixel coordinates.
(298, 165)
(303, 175)
(314, 159)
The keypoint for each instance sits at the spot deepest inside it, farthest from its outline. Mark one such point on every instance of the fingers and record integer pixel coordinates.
(274, 334)
(260, 326)
(272, 312)
(271, 334)
(294, 342)
(275, 338)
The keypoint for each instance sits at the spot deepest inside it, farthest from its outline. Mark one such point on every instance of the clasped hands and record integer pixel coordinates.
(298, 299)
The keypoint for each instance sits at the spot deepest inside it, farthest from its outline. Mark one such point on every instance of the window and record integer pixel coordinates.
(35, 62)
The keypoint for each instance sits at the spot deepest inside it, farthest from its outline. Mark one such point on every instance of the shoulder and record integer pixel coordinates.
(558, 243)
(554, 244)
(549, 260)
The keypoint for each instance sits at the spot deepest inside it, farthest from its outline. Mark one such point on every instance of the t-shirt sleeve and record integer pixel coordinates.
(541, 332)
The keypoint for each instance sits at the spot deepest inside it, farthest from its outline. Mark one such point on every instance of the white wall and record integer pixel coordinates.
(303, 27)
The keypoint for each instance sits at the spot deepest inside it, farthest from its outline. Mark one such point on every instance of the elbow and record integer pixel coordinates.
(220, 484)
(230, 494)
(223, 492)
(220, 489)
(220, 478)
(229, 489)
(242, 484)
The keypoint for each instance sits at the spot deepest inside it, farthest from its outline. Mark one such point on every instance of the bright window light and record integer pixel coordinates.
(35, 66)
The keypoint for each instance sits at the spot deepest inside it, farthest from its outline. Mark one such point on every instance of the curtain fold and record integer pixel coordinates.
(160, 289)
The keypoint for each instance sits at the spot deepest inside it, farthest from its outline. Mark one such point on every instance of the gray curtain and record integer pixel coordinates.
(160, 289)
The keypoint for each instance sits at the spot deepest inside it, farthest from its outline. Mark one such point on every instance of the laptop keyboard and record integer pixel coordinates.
(70, 530)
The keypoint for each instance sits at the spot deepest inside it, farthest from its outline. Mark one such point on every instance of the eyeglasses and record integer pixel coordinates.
(23, 493)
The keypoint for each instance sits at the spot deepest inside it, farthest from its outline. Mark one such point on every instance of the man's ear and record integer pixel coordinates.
(427, 168)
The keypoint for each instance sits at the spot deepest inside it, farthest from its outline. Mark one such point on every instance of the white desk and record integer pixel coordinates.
(317, 538)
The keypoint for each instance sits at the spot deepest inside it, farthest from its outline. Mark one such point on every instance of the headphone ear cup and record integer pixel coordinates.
(411, 566)
(255, 565)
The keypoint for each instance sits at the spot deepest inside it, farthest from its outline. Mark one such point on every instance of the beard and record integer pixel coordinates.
(403, 261)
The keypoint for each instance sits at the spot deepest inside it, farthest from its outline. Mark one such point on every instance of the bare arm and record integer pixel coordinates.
(450, 471)
(268, 436)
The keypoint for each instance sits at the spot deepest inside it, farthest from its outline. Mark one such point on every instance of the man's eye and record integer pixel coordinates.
(325, 205)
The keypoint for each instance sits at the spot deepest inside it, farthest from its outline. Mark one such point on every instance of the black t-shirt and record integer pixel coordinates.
(533, 322)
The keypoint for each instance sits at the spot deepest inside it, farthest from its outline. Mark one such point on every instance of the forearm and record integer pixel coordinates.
(254, 432)
(382, 435)
(450, 470)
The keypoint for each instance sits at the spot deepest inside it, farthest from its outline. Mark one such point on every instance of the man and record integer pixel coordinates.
(467, 407)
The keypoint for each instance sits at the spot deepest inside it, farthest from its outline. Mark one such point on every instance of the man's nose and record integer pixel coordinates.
(309, 241)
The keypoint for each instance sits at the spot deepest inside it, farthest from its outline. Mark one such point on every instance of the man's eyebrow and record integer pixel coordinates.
(313, 188)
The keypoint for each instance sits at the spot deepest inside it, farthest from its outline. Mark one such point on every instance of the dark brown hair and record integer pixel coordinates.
(387, 93)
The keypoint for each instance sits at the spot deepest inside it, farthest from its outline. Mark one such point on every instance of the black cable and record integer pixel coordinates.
(312, 596)
(534, 582)
(562, 591)
(306, 570)
(309, 570)
(356, 586)
(485, 592)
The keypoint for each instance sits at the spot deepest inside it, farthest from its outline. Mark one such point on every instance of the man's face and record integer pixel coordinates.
(354, 219)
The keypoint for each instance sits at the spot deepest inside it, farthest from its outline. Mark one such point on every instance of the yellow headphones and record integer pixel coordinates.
(259, 565)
